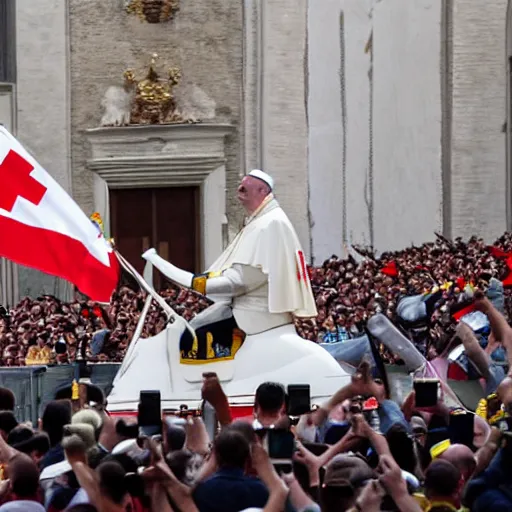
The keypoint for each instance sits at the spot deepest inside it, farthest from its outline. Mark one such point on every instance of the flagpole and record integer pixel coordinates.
(169, 311)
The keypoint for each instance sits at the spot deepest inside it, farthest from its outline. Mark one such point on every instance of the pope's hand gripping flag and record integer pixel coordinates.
(42, 227)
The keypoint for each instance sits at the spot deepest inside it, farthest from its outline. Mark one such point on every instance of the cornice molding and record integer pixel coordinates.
(168, 156)
(164, 155)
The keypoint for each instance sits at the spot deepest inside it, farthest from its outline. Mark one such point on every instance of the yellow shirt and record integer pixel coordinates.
(443, 504)
(427, 505)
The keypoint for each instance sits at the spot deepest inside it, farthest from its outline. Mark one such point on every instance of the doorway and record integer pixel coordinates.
(164, 218)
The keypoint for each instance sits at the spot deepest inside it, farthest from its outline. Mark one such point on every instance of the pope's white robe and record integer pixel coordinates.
(262, 275)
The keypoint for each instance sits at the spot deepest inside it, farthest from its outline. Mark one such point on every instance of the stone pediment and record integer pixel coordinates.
(157, 155)
(170, 155)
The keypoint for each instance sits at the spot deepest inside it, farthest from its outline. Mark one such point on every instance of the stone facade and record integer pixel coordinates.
(204, 41)
(375, 121)
(407, 114)
(478, 143)
(381, 120)
(406, 135)
(42, 98)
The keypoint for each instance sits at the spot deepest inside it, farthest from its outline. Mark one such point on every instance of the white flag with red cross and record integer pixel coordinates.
(42, 227)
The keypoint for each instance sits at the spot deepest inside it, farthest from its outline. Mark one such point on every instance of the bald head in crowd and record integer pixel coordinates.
(462, 458)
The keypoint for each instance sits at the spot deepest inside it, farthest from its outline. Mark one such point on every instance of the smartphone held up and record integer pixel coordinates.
(427, 392)
(150, 414)
(279, 444)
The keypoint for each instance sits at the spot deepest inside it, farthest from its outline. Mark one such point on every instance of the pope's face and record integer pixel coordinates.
(251, 193)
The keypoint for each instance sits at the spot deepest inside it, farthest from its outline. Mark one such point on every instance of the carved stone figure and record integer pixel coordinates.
(194, 103)
(117, 104)
(150, 100)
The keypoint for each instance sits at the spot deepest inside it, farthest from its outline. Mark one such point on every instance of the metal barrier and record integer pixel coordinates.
(35, 386)
(26, 385)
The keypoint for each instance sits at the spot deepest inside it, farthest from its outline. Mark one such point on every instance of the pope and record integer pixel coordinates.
(260, 282)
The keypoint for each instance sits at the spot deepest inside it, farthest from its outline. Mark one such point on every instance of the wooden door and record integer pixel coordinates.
(164, 218)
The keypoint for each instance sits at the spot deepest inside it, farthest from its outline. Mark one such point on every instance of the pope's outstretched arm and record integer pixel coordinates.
(175, 274)
(233, 282)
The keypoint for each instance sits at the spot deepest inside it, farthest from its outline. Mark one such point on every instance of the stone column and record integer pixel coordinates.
(407, 128)
(339, 124)
(276, 135)
(8, 283)
(43, 111)
(508, 144)
(478, 172)
(9, 292)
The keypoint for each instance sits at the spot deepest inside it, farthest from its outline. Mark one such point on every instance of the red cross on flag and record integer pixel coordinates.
(43, 228)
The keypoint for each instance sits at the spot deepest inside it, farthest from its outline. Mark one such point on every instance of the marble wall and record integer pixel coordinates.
(479, 110)
(407, 130)
(339, 124)
(375, 117)
(406, 139)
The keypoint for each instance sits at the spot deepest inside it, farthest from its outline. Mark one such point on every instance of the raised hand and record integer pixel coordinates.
(197, 439)
(360, 427)
(390, 476)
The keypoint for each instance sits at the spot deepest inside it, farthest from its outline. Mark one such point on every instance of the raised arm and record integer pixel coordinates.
(172, 272)
(499, 325)
(231, 282)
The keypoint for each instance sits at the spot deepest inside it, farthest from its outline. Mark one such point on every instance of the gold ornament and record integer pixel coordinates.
(96, 219)
(499, 416)
(38, 356)
(481, 410)
(98, 222)
(154, 101)
(153, 11)
(75, 391)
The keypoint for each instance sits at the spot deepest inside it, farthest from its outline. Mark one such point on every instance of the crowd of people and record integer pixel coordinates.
(347, 292)
(402, 457)
(31, 332)
(358, 451)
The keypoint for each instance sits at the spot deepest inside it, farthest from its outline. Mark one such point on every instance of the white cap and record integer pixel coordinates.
(126, 446)
(55, 470)
(263, 176)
